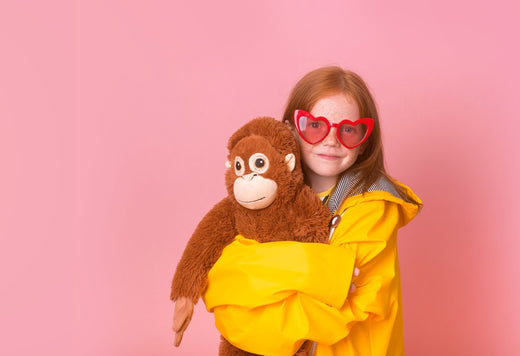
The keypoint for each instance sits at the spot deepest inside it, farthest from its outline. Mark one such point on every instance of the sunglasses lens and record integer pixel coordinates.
(312, 130)
(352, 135)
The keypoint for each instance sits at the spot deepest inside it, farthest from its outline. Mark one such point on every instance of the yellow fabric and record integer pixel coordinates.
(325, 196)
(253, 286)
(369, 227)
(325, 193)
(273, 314)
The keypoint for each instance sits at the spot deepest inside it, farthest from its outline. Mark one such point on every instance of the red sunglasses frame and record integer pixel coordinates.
(367, 121)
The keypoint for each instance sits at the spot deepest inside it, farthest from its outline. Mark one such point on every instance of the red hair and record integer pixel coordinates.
(327, 81)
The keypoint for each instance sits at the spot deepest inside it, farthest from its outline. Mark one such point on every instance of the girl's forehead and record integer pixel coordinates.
(336, 108)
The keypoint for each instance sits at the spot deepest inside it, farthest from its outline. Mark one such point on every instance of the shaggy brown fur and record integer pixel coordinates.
(296, 213)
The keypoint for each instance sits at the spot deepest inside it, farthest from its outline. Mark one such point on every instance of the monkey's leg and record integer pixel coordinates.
(305, 349)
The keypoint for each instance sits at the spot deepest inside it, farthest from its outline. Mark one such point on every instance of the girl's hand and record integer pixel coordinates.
(354, 274)
(181, 317)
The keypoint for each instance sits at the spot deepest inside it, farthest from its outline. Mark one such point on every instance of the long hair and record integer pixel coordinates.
(327, 81)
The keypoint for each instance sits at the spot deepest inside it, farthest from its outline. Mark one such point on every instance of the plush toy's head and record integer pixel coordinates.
(263, 164)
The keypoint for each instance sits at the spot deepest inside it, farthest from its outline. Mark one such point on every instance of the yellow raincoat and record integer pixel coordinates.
(268, 298)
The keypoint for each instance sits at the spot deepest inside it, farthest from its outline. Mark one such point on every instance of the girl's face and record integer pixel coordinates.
(325, 161)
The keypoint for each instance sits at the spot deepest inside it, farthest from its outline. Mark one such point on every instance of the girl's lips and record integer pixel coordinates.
(327, 157)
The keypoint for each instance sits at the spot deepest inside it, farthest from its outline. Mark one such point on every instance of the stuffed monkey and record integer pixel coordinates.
(267, 201)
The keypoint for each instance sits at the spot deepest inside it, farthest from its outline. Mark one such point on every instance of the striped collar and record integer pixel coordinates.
(344, 189)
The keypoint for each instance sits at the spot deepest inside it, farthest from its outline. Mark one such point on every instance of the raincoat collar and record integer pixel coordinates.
(348, 180)
(344, 197)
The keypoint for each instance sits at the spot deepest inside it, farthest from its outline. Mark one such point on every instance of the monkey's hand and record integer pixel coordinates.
(181, 317)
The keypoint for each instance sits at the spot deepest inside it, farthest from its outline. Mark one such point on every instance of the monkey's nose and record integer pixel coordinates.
(249, 176)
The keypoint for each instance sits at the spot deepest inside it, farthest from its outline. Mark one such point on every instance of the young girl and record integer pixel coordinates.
(334, 118)
(343, 163)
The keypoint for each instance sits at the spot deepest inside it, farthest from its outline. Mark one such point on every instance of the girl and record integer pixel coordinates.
(336, 122)
(334, 118)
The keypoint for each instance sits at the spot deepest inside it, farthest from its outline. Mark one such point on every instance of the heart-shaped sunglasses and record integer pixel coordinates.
(314, 129)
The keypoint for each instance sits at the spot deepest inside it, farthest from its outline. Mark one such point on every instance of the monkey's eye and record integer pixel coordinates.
(259, 163)
(239, 166)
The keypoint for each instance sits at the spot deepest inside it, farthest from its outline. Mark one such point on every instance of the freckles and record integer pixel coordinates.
(336, 108)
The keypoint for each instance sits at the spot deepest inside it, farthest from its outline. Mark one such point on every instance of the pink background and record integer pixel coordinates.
(114, 120)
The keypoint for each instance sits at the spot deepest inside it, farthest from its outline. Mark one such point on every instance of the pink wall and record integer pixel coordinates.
(114, 120)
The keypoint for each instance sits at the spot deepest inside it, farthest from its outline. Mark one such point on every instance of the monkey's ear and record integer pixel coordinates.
(290, 160)
(228, 164)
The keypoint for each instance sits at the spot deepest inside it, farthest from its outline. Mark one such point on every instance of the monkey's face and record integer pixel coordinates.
(255, 169)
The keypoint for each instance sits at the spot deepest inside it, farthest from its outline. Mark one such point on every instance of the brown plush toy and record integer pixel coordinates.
(267, 201)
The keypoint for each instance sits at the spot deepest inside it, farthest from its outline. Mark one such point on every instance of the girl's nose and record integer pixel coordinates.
(331, 139)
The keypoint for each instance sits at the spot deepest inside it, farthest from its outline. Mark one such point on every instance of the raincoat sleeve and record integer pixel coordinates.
(269, 298)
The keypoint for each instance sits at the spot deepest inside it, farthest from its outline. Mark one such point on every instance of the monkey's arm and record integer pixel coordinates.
(213, 233)
(216, 230)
